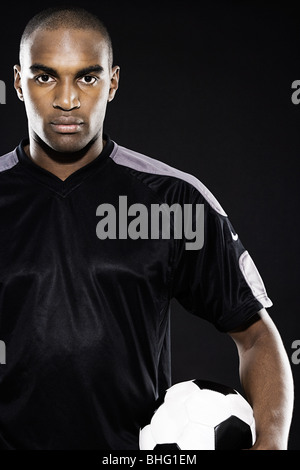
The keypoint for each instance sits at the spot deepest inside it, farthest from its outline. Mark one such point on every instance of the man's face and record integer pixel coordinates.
(66, 80)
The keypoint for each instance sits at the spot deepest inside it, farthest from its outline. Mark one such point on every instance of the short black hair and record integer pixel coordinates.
(73, 17)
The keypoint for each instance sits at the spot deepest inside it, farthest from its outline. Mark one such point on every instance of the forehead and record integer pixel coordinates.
(65, 48)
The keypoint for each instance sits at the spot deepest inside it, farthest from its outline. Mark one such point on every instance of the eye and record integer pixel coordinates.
(88, 80)
(44, 78)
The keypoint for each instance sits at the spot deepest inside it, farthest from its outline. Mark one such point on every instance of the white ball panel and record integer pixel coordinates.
(207, 407)
(253, 430)
(197, 437)
(240, 408)
(146, 440)
(181, 391)
(168, 422)
(177, 411)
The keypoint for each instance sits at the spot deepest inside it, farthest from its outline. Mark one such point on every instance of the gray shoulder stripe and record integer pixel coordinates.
(8, 161)
(139, 162)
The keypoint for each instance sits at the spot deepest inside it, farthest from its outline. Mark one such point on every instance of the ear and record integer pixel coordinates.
(17, 81)
(114, 82)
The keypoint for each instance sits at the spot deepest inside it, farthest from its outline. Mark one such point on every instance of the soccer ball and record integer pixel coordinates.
(200, 415)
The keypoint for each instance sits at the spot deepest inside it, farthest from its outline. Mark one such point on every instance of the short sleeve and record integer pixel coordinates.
(219, 281)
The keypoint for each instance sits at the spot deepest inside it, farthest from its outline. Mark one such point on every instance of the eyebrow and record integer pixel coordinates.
(50, 71)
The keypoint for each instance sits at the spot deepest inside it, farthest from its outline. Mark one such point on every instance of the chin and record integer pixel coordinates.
(68, 143)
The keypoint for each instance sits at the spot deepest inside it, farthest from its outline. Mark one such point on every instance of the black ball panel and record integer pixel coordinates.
(166, 447)
(233, 434)
(215, 387)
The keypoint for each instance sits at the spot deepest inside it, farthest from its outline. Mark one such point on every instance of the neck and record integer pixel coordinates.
(62, 164)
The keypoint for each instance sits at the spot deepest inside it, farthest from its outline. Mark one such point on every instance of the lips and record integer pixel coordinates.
(67, 124)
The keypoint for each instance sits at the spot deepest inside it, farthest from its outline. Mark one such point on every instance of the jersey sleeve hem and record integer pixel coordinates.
(241, 316)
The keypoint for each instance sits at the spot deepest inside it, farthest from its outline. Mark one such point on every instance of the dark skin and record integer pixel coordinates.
(66, 90)
(267, 381)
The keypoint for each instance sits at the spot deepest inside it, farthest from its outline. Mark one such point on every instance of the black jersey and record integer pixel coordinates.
(84, 317)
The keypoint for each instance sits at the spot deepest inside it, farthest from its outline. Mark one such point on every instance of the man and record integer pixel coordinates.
(84, 307)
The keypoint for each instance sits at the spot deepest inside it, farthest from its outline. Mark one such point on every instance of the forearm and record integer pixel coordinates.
(267, 381)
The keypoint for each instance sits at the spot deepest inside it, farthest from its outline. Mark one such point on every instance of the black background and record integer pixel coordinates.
(207, 89)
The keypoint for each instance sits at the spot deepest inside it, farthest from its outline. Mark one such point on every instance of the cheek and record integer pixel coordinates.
(36, 102)
(34, 114)
(95, 106)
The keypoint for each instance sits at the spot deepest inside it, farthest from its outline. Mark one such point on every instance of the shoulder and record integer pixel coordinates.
(150, 166)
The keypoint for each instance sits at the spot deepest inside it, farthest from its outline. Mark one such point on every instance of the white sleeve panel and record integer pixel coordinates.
(253, 279)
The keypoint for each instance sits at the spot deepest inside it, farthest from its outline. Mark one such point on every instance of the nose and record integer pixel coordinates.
(66, 97)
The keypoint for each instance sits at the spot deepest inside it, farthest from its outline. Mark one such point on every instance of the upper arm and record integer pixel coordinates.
(260, 327)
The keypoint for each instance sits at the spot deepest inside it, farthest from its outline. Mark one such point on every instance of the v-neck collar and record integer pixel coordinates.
(63, 187)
